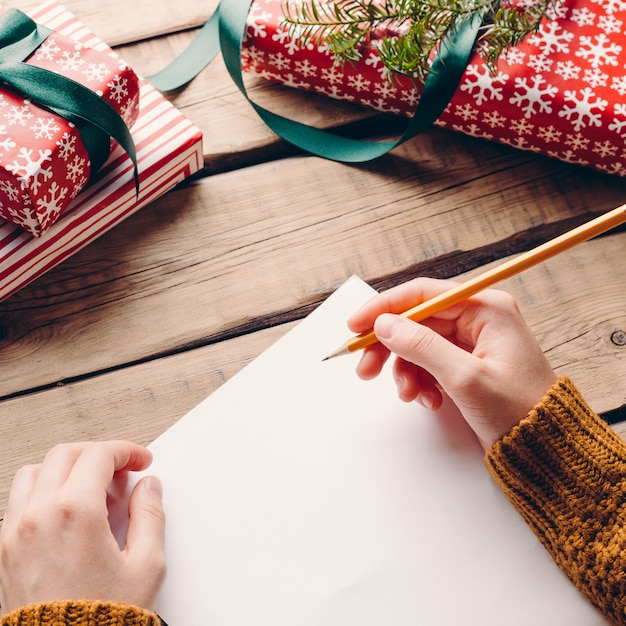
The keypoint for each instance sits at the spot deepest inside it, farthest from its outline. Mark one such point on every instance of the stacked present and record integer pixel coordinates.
(558, 92)
(45, 163)
(49, 209)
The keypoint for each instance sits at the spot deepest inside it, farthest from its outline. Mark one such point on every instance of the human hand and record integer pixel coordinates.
(56, 542)
(480, 352)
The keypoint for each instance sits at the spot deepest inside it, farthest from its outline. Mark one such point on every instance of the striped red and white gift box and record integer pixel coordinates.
(169, 149)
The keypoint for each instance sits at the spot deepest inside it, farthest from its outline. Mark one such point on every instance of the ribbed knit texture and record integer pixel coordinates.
(564, 470)
(80, 613)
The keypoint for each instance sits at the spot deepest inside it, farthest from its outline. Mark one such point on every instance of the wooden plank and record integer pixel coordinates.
(234, 249)
(118, 21)
(136, 404)
(573, 313)
(235, 135)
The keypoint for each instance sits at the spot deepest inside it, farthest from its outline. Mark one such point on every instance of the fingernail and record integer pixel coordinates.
(153, 486)
(386, 325)
(400, 383)
(426, 401)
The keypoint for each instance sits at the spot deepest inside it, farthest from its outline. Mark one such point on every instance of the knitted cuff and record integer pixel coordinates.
(80, 613)
(564, 470)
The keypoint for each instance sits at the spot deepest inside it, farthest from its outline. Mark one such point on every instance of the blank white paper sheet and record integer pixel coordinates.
(299, 495)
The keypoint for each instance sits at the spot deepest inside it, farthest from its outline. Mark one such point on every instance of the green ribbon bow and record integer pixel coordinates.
(225, 31)
(96, 120)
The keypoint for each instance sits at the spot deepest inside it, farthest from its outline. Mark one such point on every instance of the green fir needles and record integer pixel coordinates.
(408, 32)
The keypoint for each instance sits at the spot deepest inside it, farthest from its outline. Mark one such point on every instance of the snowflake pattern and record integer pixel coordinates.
(10, 190)
(581, 112)
(619, 121)
(558, 92)
(598, 50)
(45, 128)
(533, 97)
(70, 61)
(43, 162)
(552, 38)
(75, 169)
(482, 84)
(30, 168)
(96, 72)
(51, 204)
(47, 50)
(118, 89)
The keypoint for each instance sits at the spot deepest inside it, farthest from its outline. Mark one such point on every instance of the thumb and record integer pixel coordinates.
(146, 519)
(422, 346)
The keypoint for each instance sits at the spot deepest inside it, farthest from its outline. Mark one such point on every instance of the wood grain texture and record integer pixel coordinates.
(235, 135)
(572, 313)
(137, 403)
(212, 257)
(126, 336)
(119, 21)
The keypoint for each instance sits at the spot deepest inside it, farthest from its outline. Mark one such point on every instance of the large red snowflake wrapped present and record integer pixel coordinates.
(44, 163)
(559, 92)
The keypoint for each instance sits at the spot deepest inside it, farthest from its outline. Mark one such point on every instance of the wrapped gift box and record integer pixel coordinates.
(44, 164)
(560, 92)
(169, 149)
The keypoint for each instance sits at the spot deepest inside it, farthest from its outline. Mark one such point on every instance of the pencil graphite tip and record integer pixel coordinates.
(340, 351)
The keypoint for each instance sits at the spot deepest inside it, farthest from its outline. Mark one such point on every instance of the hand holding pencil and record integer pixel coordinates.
(480, 352)
(459, 292)
(472, 344)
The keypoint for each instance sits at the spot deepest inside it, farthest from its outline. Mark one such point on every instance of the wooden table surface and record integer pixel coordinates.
(122, 339)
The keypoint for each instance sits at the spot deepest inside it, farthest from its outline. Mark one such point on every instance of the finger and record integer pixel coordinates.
(94, 468)
(56, 467)
(372, 361)
(397, 300)
(494, 310)
(422, 346)
(20, 494)
(414, 383)
(145, 537)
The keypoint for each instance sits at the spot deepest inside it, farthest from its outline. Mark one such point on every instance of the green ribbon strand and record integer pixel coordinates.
(96, 120)
(439, 87)
(224, 32)
(72, 101)
(20, 36)
(200, 52)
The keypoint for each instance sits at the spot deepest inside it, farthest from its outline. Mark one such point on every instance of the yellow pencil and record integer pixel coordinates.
(501, 272)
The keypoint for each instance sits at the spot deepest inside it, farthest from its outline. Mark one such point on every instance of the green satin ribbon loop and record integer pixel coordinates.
(71, 100)
(440, 85)
(96, 120)
(224, 32)
(20, 36)
(200, 52)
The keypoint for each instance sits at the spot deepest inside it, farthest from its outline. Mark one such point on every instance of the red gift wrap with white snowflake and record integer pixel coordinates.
(560, 92)
(43, 162)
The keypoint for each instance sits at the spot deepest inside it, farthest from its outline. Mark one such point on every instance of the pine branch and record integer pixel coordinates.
(407, 33)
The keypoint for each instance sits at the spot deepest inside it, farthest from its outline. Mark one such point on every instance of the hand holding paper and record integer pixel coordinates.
(56, 540)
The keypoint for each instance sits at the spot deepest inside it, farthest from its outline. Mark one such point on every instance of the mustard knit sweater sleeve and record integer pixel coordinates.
(80, 613)
(564, 470)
